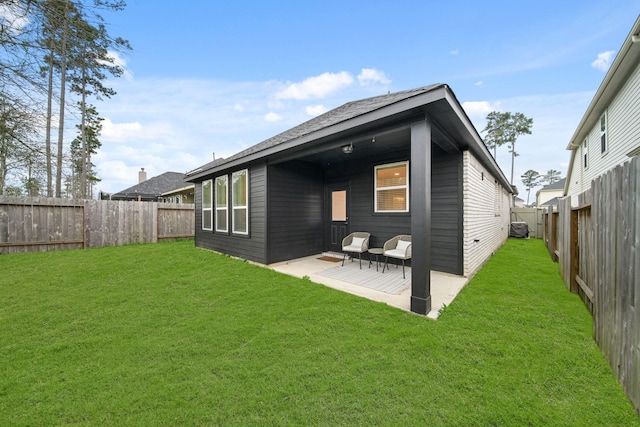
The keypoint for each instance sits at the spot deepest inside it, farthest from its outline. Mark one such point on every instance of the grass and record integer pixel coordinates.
(168, 334)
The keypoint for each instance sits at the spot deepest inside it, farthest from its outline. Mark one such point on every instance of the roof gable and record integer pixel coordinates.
(338, 115)
(452, 130)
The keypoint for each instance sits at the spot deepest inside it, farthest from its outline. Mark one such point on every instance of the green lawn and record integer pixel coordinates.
(167, 334)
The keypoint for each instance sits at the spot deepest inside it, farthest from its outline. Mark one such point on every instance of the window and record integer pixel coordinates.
(603, 133)
(585, 154)
(206, 205)
(239, 202)
(392, 187)
(222, 207)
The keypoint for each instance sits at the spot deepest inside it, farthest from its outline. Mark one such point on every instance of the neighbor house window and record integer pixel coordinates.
(206, 205)
(239, 201)
(603, 133)
(222, 206)
(392, 187)
(585, 154)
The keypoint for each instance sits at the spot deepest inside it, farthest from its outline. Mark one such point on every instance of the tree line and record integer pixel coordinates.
(504, 128)
(55, 57)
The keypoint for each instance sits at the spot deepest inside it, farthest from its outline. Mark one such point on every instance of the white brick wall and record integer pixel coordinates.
(486, 214)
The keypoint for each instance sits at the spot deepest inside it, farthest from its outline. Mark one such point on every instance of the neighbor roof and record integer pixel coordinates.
(155, 186)
(551, 202)
(558, 185)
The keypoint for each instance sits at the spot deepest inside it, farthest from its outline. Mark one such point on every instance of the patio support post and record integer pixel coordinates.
(420, 196)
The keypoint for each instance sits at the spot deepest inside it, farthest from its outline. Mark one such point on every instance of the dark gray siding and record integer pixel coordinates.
(446, 213)
(359, 174)
(446, 221)
(295, 210)
(292, 210)
(253, 246)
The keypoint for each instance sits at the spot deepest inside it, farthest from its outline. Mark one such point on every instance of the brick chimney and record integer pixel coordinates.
(142, 176)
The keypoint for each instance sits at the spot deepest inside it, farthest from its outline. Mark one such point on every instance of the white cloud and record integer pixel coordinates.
(479, 83)
(604, 60)
(315, 110)
(370, 75)
(13, 17)
(316, 87)
(454, 52)
(478, 108)
(121, 61)
(272, 117)
(134, 130)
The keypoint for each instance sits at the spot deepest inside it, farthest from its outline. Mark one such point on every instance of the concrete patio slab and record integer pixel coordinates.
(444, 286)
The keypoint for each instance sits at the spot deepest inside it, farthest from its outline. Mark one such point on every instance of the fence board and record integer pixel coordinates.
(608, 256)
(45, 224)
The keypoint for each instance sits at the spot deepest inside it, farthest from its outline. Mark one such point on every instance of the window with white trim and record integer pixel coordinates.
(240, 201)
(206, 205)
(603, 133)
(222, 206)
(585, 153)
(391, 187)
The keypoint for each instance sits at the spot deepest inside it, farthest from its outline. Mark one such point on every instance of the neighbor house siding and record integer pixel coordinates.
(623, 130)
(252, 246)
(295, 224)
(486, 208)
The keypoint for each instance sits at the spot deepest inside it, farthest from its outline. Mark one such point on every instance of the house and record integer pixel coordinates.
(167, 187)
(546, 195)
(609, 132)
(408, 162)
(518, 202)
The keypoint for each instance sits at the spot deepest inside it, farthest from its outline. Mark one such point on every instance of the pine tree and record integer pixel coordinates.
(530, 179)
(505, 128)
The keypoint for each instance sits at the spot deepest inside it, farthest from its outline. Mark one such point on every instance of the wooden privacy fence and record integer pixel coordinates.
(30, 224)
(598, 247)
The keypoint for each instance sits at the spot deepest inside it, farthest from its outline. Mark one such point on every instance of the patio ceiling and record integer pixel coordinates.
(366, 144)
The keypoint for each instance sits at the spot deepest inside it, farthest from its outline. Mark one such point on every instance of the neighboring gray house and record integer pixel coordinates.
(546, 195)
(167, 187)
(408, 162)
(609, 132)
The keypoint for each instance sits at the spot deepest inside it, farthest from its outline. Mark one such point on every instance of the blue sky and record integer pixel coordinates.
(211, 76)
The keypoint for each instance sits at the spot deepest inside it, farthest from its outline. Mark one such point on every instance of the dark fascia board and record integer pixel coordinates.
(405, 108)
(385, 112)
(478, 147)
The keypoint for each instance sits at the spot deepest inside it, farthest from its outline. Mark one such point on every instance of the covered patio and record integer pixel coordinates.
(369, 282)
(404, 163)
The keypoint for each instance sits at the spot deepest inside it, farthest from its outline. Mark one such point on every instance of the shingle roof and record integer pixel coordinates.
(157, 185)
(340, 114)
(551, 202)
(558, 185)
